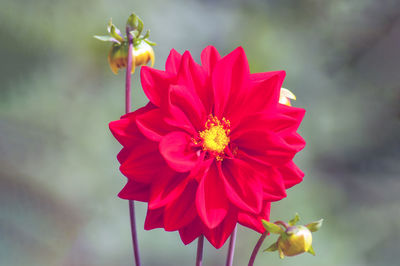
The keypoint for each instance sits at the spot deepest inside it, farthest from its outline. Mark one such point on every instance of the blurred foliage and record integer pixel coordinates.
(58, 173)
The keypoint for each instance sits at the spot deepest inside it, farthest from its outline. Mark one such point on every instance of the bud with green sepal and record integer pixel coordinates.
(294, 239)
(142, 51)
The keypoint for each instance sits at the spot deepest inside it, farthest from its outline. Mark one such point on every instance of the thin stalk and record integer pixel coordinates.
(257, 248)
(231, 250)
(199, 256)
(127, 110)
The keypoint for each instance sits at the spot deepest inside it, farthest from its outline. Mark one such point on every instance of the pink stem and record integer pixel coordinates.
(231, 250)
(127, 110)
(257, 248)
(199, 257)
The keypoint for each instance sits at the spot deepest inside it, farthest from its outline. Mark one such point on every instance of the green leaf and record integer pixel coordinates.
(295, 220)
(311, 251)
(150, 42)
(146, 35)
(140, 26)
(271, 227)
(273, 247)
(106, 38)
(315, 226)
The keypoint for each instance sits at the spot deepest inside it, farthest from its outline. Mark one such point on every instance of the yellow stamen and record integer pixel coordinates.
(215, 136)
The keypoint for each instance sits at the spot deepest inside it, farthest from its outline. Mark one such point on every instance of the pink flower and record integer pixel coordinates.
(213, 147)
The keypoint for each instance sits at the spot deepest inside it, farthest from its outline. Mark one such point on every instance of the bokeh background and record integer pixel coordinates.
(58, 173)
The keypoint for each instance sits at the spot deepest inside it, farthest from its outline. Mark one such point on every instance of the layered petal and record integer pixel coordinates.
(229, 79)
(242, 184)
(173, 62)
(211, 202)
(253, 221)
(177, 151)
(217, 236)
(135, 191)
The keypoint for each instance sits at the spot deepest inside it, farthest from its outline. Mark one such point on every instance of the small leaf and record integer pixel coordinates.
(116, 30)
(146, 35)
(150, 42)
(271, 227)
(295, 220)
(315, 226)
(273, 247)
(311, 251)
(106, 38)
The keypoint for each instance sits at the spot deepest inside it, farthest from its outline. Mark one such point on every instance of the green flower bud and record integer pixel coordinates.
(294, 239)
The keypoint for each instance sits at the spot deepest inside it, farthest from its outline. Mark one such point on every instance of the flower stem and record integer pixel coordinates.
(127, 110)
(231, 250)
(134, 232)
(257, 248)
(199, 257)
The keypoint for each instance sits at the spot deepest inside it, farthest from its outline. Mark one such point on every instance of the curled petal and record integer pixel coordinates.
(151, 124)
(176, 150)
(189, 103)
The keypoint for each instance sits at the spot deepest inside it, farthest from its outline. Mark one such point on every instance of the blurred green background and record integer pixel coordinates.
(59, 177)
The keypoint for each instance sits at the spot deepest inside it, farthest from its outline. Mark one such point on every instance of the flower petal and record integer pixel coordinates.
(265, 94)
(242, 184)
(144, 162)
(230, 77)
(155, 84)
(253, 221)
(173, 62)
(217, 236)
(191, 231)
(154, 219)
(194, 78)
(167, 188)
(291, 174)
(125, 129)
(211, 201)
(266, 146)
(135, 191)
(189, 103)
(151, 124)
(176, 150)
(182, 210)
(209, 57)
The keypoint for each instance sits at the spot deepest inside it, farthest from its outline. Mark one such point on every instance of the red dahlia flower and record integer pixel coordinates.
(213, 147)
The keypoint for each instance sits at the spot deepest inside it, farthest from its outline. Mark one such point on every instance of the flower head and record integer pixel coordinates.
(294, 239)
(213, 147)
(142, 47)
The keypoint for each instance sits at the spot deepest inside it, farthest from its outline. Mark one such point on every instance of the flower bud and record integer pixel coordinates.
(295, 240)
(285, 97)
(142, 53)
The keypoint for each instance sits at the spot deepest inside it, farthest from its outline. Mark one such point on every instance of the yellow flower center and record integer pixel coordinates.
(215, 136)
